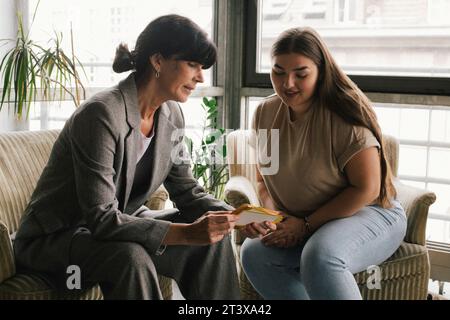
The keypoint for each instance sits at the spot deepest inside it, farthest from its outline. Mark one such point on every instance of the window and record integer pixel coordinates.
(314, 10)
(346, 11)
(424, 136)
(275, 9)
(384, 45)
(98, 28)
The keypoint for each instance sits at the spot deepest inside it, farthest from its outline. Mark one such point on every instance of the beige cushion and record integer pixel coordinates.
(32, 287)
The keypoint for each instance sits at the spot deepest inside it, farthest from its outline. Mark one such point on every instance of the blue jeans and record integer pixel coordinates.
(323, 266)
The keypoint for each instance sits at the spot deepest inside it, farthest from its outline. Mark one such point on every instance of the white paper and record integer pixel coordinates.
(248, 216)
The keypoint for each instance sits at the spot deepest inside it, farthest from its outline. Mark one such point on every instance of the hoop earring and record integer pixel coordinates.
(157, 74)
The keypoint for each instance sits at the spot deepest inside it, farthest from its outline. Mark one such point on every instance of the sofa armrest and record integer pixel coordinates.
(239, 190)
(158, 199)
(416, 203)
(7, 265)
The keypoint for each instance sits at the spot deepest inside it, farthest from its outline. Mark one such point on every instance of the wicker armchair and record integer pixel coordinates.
(404, 275)
(23, 156)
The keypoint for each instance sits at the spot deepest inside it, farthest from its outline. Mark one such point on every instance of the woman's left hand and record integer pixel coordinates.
(289, 233)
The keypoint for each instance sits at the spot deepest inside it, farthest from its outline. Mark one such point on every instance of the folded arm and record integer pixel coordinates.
(364, 175)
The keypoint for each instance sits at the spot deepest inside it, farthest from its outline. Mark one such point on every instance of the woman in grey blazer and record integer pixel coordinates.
(117, 149)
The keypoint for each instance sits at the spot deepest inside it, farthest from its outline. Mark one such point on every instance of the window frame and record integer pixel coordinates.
(367, 83)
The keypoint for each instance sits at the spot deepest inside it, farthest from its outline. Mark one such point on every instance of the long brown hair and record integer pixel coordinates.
(335, 91)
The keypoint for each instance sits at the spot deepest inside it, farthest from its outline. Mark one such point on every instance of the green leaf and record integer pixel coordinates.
(212, 115)
(7, 76)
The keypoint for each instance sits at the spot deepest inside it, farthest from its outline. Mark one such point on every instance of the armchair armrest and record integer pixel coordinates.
(158, 199)
(239, 190)
(7, 265)
(416, 203)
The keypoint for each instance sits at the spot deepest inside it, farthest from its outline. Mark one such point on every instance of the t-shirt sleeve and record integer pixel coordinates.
(349, 140)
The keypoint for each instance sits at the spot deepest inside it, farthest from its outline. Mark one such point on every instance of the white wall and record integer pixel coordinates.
(8, 30)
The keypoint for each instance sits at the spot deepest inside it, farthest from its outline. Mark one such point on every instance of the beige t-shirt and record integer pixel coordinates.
(313, 151)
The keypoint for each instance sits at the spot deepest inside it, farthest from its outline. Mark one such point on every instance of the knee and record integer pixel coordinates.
(252, 251)
(318, 259)
(131, 256)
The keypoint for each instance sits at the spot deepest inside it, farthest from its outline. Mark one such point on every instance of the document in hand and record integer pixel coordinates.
(248, 214)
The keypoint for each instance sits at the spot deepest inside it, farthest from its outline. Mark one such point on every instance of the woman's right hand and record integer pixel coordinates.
(210, 228)
(257, 230)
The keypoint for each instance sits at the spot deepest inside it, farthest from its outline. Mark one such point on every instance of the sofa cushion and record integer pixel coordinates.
(408, 260)
(32, 287)
(23, 156)
(404, 275)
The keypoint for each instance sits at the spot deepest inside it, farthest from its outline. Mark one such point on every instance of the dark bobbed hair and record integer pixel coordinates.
(172, 36)
(337, 92)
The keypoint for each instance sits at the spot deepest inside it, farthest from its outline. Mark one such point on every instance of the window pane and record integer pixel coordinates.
(50, 115)
(413, 161)
(442, 204)
(194, 115)
(371, 37)
(100, 26)
(439, 163)
(195, 119)
(440, 125)
(438, 230)
(416, 184)
(414, 124)
(389, 120)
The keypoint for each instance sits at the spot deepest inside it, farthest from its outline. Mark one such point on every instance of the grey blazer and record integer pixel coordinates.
(90, 172)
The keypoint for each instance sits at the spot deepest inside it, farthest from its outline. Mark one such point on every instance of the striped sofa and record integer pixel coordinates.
(404, 275)
(23, 156)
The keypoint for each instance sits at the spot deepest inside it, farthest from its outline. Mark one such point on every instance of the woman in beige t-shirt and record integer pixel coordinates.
(332, 181)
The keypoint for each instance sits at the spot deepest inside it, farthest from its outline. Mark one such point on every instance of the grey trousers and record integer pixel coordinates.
(125, 270)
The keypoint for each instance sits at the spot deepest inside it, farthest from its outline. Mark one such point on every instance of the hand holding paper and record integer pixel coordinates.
(248, 214)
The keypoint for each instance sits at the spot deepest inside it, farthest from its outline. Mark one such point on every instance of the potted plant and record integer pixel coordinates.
(29, 66)
(209, 157)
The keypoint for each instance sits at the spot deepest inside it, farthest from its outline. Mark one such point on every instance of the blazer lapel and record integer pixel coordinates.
(129, 92)
(161, 159)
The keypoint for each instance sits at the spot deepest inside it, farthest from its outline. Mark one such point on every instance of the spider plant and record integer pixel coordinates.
(58, 71)
(28, 66)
